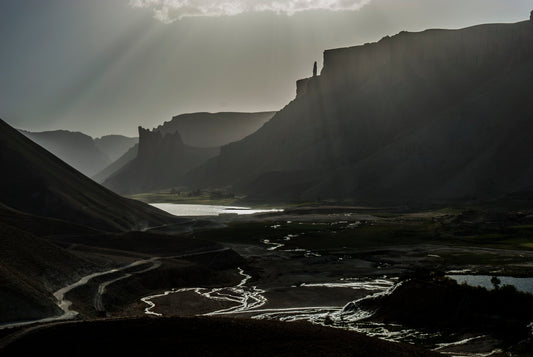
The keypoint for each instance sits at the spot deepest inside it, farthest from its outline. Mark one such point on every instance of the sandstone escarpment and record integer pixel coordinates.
(162, 159)
(417, 117)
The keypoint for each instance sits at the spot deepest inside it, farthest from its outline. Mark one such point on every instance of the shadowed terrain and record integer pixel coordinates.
(210, 337)
(434, 116)
(37, 182)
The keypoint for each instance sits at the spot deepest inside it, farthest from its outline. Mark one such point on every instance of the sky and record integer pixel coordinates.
(107, 66)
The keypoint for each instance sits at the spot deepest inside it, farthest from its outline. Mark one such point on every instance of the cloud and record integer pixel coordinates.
(168, 11)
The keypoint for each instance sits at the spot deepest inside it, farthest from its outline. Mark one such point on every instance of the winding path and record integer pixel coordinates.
(65, 305)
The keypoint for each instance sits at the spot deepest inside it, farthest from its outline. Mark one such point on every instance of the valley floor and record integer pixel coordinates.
(303, 264)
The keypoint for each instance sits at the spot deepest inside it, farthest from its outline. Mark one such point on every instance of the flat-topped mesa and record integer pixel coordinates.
(433, 53)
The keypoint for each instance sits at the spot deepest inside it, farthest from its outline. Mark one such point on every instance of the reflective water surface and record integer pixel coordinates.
(207, 210)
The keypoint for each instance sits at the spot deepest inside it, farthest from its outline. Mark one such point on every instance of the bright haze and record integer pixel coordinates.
(107, 66)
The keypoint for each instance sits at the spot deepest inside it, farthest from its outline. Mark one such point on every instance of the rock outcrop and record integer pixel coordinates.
(162, 159)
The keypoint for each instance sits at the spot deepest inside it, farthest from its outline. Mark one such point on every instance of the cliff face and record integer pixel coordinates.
(153, 144)
(162, 159)
(416, 117)
(479, 52)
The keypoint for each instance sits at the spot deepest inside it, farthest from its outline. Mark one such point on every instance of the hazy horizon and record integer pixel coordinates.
(106, 67)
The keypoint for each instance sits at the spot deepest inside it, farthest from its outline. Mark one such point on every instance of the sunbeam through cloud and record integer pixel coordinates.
(168, 11)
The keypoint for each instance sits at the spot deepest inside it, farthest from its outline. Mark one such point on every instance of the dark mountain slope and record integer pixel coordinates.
(37, 182)
(76, 149)
(440, 114)
(30, 269)
(466, 152)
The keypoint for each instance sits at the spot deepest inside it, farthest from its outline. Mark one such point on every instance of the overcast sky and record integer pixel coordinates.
(107, 66)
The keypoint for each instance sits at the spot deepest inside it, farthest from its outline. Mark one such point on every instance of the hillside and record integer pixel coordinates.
(416, 118)
(30, 269)
(37, 182)
(76, 149)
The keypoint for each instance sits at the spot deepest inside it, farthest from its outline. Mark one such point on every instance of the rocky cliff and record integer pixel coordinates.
(426, 117)
(162, 159)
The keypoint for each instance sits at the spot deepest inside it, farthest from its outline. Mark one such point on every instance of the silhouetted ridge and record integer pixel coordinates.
(75, 148)
(37, 182)
(169, 157)
(423, 117)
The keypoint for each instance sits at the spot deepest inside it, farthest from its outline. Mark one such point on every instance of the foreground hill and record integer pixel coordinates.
(30, 269)
(35, 181)
(208, 337)
(435, 116)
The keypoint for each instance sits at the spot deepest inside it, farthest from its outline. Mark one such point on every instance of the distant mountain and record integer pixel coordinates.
(37, 182)
(417, 118)
(207, 130)
(76, 149)
(114, 146)
(183, 143)
(161, 160)
(116, 165)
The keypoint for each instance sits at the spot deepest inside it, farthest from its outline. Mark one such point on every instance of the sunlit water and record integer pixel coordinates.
(207, 210)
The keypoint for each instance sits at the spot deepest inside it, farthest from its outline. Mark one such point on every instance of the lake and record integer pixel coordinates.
(207, 210)
(521, 284)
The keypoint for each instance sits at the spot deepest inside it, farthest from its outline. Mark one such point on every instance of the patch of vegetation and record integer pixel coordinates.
(430, 300)
(175, 195)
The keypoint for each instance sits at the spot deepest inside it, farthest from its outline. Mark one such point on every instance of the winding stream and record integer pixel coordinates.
(249, 299)
(245, 298)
